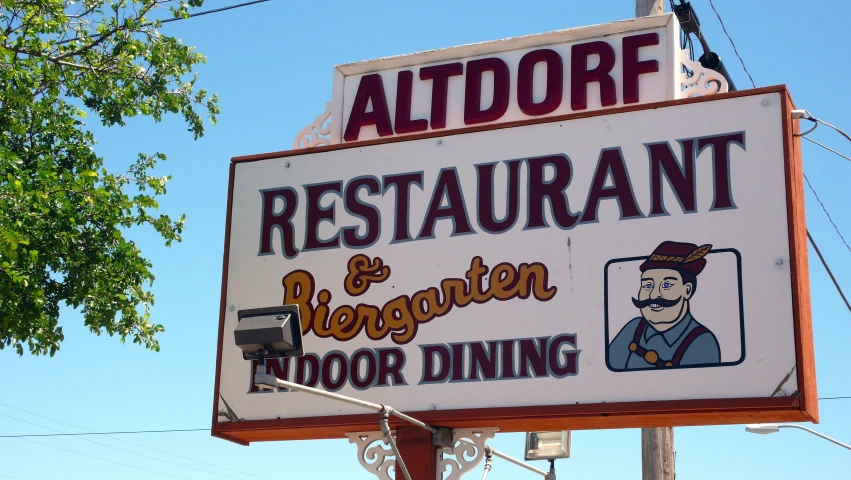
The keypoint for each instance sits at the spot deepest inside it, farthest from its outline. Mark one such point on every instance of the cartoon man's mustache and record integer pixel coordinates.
(655, 302)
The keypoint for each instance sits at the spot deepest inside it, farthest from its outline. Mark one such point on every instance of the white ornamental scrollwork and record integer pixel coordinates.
(703, 81)
(373, 453)
(468, 450)
(317, 133)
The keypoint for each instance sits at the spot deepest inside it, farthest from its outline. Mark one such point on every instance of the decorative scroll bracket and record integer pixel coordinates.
(703, 81)
(468, 450)
(318, 133)
(373, 453)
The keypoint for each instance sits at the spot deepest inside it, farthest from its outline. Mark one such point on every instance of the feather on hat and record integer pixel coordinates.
(678, 256)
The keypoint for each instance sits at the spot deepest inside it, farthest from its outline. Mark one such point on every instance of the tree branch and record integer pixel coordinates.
(100, 38)
(85, 13)
(55, 60)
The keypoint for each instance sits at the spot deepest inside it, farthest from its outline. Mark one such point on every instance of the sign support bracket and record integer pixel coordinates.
(467, 445)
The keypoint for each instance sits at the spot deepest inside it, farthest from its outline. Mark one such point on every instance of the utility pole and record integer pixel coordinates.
(657, 453)
(657, 444)
(645, 8)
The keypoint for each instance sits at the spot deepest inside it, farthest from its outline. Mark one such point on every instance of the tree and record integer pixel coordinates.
(63, 216)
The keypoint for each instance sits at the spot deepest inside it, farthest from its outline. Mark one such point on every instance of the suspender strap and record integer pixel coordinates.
(652, 357)
(639, 330)
(690, 338)
(649, 356)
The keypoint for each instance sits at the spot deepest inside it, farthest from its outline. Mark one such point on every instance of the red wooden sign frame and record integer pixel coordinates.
(802, 407)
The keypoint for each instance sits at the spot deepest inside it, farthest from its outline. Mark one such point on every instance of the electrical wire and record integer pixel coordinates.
(133, 432)
(818, 121)
(685, 44)
(101, 459)
(683, 34)
(826, 212)
(90, 432)
(690, 48)
(824, 262)
(24, 436)
(847, 137)
(732, 43)
(815, 126)
(193, 15)
(9, 476)
(827, 148)
(835, 227)
(83, 434)
(207, 12)
(124, 450)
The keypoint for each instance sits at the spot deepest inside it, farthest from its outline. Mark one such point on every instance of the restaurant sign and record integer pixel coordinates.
(641, 265)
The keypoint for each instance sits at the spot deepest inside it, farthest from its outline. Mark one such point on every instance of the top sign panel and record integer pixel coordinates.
(556, 73)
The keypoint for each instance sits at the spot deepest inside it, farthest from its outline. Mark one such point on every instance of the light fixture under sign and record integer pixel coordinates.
(269, 333)
(547, 445)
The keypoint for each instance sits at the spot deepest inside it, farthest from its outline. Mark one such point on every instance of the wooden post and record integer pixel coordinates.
(657, 453)
(418, 453)
(657, 444)
(645, 8)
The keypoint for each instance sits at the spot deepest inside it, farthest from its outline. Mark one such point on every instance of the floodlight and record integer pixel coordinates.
(762, 428)
(547, 445)
(272, 332)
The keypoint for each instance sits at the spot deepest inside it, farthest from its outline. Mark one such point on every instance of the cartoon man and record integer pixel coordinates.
(666, 335)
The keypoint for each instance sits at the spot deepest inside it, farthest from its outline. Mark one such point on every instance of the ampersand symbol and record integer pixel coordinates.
(363, 272)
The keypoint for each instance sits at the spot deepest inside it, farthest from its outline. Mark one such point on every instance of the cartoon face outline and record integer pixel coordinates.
(667, 285)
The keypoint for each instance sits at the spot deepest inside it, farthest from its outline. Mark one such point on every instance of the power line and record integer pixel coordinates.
(206, 12)
(823, 262)
(207, 429)
(847, 137)
(82, 434)
(89, 432)
(826, 212)
(101, 459)
(818, 252)
(732, 43)
(9, 476)
(817, 121)
(122, 449)
(827, 148)
(24, 436)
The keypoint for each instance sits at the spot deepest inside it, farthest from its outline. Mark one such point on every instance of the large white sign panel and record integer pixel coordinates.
(637, 257)
(556, 73)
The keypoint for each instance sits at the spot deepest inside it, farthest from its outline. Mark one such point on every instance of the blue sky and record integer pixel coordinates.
(271, 64)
